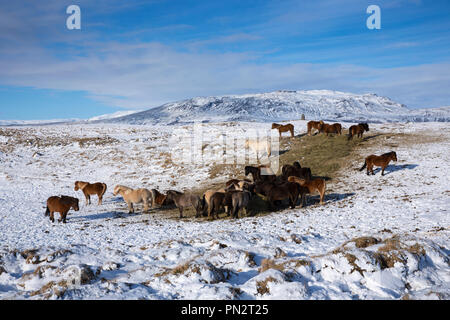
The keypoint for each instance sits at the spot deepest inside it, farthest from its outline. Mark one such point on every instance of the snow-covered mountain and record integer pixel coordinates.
(285, 105)
(114, 115)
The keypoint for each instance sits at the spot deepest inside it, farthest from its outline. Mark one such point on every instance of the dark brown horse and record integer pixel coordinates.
(240, 200)
(216, 203)
(379, 161)
(279, 192)
(62, 205)
(295, 170)
(184, 200)
(357, 130)
(221, 200)
(330, 128)
(284, 128)
(313, 125)
(90, 189)
(257, 174)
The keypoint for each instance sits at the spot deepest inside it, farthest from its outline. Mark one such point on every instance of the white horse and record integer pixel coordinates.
(259, 146)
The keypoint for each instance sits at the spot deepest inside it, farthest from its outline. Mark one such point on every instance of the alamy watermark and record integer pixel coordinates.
(374, 20)
(74, 20)
(204, 145)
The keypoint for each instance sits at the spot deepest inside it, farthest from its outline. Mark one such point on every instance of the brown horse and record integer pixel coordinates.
(357, 130)
(313, 125)
(62, 205)
(89, 189)
(379, 161)
(284, 128)
(158, 198)
(330, 128)
(312, 186)
(295, 170)
(184, 200)
(218, 201)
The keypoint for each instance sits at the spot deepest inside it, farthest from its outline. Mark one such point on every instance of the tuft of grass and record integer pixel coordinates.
(262, 286)
(267, 264)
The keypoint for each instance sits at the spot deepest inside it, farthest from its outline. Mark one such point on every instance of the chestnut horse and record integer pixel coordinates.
(62, 205)
(89, 189)
(330, 128)
(312, 186)
(313, 125)
(158, 198)
(357, 130)
(379, 161)
(284, 128)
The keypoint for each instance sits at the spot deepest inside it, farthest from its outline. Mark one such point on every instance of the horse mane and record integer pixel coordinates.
(388, 153)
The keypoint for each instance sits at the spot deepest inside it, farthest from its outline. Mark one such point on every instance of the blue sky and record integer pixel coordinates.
(141, 54)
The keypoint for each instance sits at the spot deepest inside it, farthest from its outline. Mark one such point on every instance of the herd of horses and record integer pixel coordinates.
(336, 128)
(293, 183)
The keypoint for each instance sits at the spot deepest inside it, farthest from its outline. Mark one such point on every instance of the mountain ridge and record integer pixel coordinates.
(285, 105)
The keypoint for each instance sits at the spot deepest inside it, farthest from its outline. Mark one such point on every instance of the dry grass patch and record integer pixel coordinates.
(262, 286)
(267, 264)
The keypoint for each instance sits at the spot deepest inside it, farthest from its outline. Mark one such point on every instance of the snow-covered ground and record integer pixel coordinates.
(375, 238)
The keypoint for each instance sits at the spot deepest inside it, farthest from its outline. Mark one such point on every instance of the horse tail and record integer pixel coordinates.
(203, 204)
(47, 212)
(364, 166)
(211, 208)
(104, 189)
(350, 135)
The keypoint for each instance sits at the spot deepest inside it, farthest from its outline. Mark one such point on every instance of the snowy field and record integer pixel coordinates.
(375, 238)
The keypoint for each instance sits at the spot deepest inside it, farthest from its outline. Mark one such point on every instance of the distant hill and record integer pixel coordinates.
(284, 105)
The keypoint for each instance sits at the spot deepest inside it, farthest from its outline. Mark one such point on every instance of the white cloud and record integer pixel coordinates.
(140, 75)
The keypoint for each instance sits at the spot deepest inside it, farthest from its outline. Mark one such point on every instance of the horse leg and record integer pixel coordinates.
(52, 216)
(100, 199)
(181, 212)
(197, 211)
(63, 217)
(130, 207)
(236, 212)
